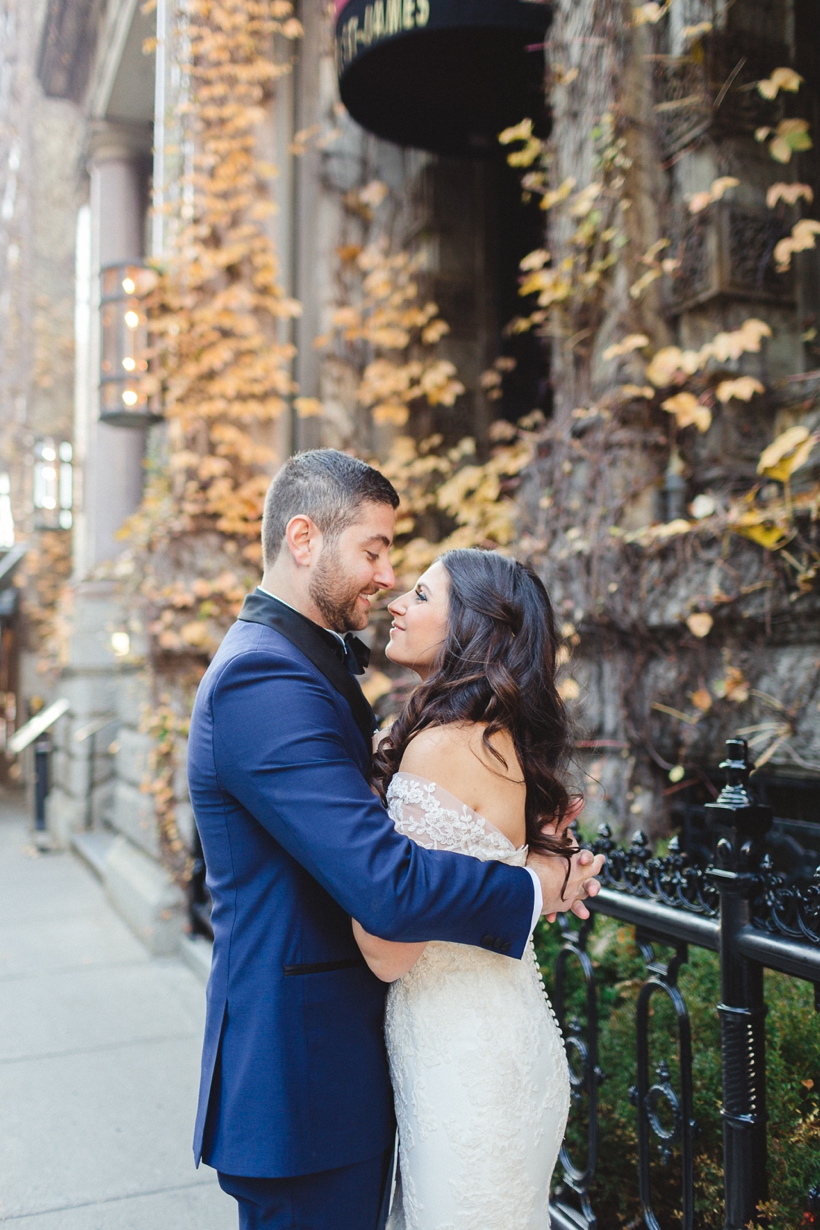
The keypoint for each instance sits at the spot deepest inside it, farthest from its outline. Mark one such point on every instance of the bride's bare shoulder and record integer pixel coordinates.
(437, 743)
(463, 741)
(457, 759)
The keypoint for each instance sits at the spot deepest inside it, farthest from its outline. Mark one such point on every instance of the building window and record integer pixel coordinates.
(6, 518)
(124, 401)
(53, 485)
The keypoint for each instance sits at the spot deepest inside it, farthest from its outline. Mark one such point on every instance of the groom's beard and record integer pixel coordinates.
(335, 595)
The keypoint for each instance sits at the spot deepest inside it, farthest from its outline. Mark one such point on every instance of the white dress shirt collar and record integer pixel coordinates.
(333, 631)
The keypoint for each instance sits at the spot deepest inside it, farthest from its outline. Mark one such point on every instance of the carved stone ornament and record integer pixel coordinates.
(729, 251)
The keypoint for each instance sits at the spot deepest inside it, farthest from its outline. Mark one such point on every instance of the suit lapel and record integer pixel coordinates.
(310, 639)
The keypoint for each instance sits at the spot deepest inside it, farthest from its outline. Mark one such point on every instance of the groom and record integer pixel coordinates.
(295, 1108)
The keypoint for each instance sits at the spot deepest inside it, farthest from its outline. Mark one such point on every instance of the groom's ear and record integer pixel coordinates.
(303, 538)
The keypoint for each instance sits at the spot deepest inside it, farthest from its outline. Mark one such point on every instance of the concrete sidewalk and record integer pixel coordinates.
(99, 1059)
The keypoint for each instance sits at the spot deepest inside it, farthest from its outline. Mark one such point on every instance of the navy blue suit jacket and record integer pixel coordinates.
(294, 1072)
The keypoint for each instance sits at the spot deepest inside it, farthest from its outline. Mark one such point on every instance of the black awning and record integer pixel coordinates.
(442, 75)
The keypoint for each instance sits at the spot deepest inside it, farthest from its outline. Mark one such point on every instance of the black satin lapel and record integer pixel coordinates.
(303, 633)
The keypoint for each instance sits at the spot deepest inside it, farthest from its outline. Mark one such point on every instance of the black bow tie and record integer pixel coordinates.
(357, 654)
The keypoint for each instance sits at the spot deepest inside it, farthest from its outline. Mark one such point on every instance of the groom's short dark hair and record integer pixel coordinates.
(325, 485)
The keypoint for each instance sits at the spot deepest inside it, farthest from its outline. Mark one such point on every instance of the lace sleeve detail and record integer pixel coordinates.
(419, 811)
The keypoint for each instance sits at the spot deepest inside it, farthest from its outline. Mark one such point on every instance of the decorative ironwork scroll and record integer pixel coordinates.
(651, 1100)
(792, 910)
(585, 1074)
(753, 917)
(670, 880)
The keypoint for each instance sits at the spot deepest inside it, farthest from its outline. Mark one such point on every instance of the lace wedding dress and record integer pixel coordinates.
(477, 1060)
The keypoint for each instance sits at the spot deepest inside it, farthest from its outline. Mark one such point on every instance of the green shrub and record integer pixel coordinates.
(793, 1084)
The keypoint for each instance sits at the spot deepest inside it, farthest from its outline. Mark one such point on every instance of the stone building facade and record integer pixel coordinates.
(117, 170)
(95, 114)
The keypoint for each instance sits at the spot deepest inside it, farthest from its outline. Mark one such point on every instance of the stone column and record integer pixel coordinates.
(113, 470)
(110, 469)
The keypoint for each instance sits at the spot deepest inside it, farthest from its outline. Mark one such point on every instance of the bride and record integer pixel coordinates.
(473, 764)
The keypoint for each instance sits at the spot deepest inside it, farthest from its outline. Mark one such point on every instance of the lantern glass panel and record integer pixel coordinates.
(124, 347)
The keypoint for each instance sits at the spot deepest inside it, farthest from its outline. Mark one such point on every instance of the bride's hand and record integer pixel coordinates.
(582, 884)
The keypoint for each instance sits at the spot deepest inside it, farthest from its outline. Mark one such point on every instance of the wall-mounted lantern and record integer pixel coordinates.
(442, 75)
(53, 494)
(124, 401)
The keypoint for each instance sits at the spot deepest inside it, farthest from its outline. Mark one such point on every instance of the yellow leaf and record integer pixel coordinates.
(791, 136)
(643, 283)
(780, 79)
(734, 686)
(569, 689)
(665, 365)
(556, 195)
(717, 189)
(519, 132)
(780, 150)
(787, 453)
(702, 700)
(688, 411)
(651, 254)
(672, 529)
(195, 633)
(702, 27)
(434, 332)
(534, 260)
(721, 186)
(648, 13)
(699, 201)
(760, 528)
(373, 193)
(790, 193)
(375, 685)
(700, 623)
(308, 407)
(743, 388)
(391, 412)
(584, 201)
(801, 238)
(633, 341)
(676, 773)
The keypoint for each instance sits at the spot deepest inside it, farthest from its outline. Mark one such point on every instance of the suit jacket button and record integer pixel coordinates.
(488, 941)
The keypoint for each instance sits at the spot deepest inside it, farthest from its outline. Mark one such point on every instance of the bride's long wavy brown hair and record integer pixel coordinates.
(496, 666)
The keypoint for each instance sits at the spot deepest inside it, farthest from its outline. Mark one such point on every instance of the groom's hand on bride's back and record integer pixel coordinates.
(561, 898)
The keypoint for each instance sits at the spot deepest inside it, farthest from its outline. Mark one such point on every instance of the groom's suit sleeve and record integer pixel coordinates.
(281, 749)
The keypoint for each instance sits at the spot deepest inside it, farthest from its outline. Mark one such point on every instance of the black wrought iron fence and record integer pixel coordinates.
(753, 917)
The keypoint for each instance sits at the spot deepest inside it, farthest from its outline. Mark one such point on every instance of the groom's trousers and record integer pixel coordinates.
(350, 1198)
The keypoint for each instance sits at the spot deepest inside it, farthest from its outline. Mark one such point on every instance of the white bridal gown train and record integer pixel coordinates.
(476, 1057)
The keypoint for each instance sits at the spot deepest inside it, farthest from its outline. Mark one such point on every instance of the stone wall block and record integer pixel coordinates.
(91, 696)
(64, 815)
(133, 813)
(133, 697)
(141, 891)
(133, 750)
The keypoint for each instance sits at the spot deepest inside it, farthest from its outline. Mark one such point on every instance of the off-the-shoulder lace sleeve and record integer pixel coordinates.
(435, 819)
